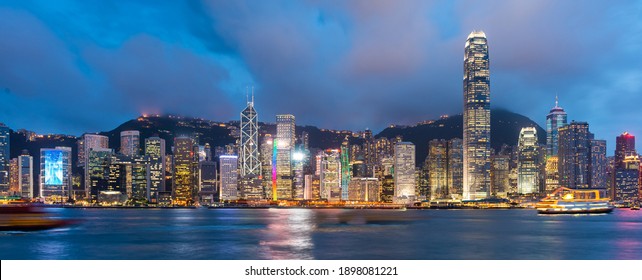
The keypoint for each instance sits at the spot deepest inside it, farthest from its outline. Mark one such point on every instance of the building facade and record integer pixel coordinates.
(476, 118)
(249, 146)
(55, 174)
(555, 119)
(130, 142)
(404, 172)
(528, 166)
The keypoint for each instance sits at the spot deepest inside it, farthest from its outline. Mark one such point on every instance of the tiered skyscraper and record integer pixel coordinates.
(476, 117)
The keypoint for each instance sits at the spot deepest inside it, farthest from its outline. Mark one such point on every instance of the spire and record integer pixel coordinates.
(252, 95)
(556, 100)
(247, 100)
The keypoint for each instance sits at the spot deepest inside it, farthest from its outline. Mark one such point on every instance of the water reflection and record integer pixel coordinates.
(288, 234)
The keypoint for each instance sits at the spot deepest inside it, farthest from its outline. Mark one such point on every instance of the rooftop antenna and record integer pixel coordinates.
(247, 100)
(252, 95)
(556, 100)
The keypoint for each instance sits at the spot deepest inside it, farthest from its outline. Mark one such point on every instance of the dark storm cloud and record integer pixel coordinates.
(336, 64)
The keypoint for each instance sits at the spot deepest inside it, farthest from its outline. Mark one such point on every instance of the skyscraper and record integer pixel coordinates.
(528, 166)
(573, 155)
(249, 148)
(55, 174)
(130, 142)
(627, 179)
(86, 144)
(438, 169)
(404, 172)
(476, 117)
(207, 183)
(4, 157)
(330, 175)
(582, 161)
(500, 175)
(90, 141)
(98, 168)
(624, 146)
(229, 177)
(25, 175)
(155, 150)
(285, 136)
(455, 167)
(184, 167)
(555, 119)
(598, 165)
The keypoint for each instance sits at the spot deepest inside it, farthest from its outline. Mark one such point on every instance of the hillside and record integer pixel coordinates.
(505, 127)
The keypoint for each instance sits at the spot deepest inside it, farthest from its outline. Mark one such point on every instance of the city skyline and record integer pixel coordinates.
(74, 65)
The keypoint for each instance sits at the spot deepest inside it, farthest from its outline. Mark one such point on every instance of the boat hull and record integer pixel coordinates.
(569, 211)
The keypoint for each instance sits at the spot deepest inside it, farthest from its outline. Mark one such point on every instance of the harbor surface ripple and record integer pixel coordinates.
(329, 234)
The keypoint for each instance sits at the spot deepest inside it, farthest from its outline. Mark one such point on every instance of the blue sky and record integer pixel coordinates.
(78, 66)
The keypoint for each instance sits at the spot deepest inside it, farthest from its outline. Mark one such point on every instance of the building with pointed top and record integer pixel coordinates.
(249, 149)
(555, 119)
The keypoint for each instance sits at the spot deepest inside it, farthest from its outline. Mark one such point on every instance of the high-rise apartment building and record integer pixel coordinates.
(476, 117)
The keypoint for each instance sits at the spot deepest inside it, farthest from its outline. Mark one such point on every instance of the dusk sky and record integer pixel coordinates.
(82, 66)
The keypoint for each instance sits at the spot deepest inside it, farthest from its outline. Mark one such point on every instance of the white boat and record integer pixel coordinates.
(570, 201)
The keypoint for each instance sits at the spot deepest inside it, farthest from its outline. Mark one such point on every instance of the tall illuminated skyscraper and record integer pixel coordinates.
(285, 136)
(4, 157)
(25, 174)
(249, 148)
(229, 177)
(87, 143)
(130, 142)
(528, 166)
(476, 117)
(184, 171)
(555, 119)
(404, 172)
(155, 151)
(330, 175)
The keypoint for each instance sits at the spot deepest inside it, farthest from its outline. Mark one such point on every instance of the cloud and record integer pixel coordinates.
(336, 64)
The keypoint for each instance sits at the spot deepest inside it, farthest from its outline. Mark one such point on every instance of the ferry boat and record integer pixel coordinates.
(27, 218)
(570, 201)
